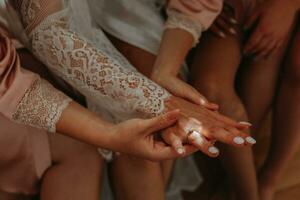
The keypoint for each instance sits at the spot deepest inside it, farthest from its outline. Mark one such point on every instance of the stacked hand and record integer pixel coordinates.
(198, 123)
(202, 127)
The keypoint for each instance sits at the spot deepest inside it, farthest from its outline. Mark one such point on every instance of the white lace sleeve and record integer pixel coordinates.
(101, 79)
(179, 20)
(192, 16)
(41, 106)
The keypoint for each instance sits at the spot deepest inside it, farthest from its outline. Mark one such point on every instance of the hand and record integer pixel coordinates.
(225, 23)
(271, 21)
(179, 88)
(202, 127)
(136, 137)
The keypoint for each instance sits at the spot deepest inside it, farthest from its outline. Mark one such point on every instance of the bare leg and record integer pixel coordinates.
(213, 74)
(136, 179)
(130, 173)
(76, 173)
(260, 77)
(285, 138)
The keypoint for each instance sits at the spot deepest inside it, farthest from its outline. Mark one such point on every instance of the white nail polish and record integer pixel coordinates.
(233, 21)
(231, 30)
(213, 150)
(245, 123)
(199, 140)
(238, 140)
(180, 150)
(195, 135)
(222, 35)
(250, 140)
(202, 102)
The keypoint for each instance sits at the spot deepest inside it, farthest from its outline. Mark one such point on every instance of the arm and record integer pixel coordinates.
(123, 91)
(186, 21)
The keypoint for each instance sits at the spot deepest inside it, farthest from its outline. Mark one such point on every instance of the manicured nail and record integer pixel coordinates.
(180, 150)
(222, 35)
(245, 123)
(231, 30)
(213, 150)
(196, 136)
(202, 102)
(233, 21)
(238, 140)
(250, 140)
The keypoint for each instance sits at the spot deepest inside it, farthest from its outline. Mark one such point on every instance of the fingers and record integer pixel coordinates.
(163, 121)
(254, 42)
(231, 136)
(199, 141)
(224, 25)
(230, 122)
(170, 138)
(190, 93)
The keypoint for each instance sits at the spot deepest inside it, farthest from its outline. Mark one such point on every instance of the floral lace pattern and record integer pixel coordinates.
(121, 90)
(41, 106)
(178, 20)
(29, 10)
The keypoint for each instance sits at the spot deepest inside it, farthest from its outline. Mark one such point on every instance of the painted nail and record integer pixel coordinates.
(196, 137)
(250, 140)
(180, 150)
(222, 35)
(231, 30)
(245, 123)
(202, 102)
(233, 21)
(213, 150)
(238, 140)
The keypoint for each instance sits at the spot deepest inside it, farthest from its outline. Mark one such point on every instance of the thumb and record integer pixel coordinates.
(160, 122)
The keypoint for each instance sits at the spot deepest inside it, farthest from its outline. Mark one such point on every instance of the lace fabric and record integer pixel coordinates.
(121, 90)
(41, 106)
(179, 20)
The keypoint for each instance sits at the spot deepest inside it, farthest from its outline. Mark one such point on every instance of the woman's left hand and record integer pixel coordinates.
(271, 22)
(179, 88)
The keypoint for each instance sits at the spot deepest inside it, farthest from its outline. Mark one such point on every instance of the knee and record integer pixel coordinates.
(83, 155)
(216, 92)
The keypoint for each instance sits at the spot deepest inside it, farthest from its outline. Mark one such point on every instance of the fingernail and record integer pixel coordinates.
(194, 135)
(180, 150)
(232, 20)
(213, 150)
(250, 140)
(202, 102)
(245, 123)
(231, 30)
(238, 140)
(222, 35)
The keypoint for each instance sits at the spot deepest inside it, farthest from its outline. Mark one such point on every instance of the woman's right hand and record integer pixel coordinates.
(137, 137)
(202, 127)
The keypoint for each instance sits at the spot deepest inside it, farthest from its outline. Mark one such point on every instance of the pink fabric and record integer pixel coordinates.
(24, 151)
(203, 12)
(24, 157)
(14, 81)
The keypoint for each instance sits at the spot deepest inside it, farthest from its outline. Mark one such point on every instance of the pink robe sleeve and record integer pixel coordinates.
(24, 96)
(194, 16)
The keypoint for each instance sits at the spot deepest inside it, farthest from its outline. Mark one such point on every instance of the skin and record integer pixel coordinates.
(138, 58)
(285, 123)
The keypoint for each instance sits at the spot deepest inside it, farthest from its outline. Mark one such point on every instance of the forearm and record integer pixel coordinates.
(174, 47)
(79, 123)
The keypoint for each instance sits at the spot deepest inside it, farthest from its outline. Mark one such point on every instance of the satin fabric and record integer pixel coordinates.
(14, 81)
